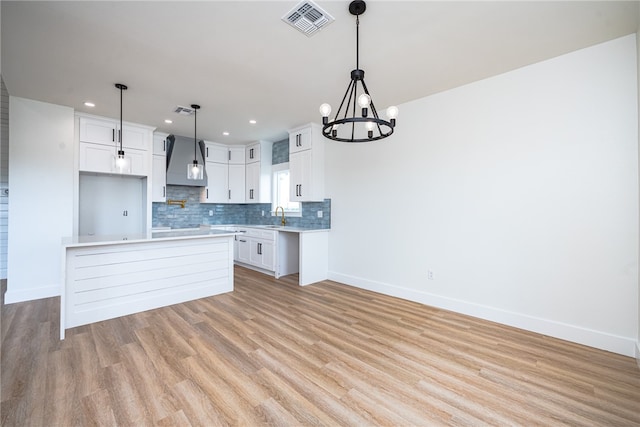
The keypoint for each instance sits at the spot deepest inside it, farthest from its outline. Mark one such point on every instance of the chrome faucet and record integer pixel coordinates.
(283, 220)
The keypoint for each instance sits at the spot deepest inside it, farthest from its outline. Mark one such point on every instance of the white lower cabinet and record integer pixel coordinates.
(243, 249)
(262, 254)
(257, 248)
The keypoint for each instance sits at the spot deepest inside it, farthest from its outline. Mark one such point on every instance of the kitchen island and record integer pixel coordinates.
(110, 276)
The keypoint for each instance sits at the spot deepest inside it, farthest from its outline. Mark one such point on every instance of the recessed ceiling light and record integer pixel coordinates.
(168, 121)
(253, 122)
(89, 104)
(225, 133)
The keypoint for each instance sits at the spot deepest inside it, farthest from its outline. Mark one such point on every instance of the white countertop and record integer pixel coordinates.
(285, 228)
(162, 234)
(151, 235)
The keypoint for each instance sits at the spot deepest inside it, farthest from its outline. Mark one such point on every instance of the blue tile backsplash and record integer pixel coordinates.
(280, 152)
(196, 213)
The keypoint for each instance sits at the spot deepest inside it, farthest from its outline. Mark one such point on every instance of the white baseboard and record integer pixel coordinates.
(12, 296)
(577, 334)
(638, 353)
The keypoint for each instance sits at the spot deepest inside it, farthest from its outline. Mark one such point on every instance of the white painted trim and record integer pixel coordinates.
(638, 353)
(576, 334)
(20, 295)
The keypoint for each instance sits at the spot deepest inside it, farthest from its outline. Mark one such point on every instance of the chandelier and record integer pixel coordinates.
(346, 125)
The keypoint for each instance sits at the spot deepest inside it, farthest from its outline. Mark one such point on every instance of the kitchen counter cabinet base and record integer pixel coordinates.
(107, 281)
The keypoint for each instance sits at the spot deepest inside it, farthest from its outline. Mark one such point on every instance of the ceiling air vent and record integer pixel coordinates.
(307, 17)
(183, 111)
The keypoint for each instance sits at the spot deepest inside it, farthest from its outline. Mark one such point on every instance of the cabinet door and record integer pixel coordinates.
(255, 254)
(135, 137)
(236, 183)
(300, 172)
(159, 145)
(159, 179)
(252, 153)
(97, 158)
(98, 131)
(216, 153)
(102, 159)
(138, 163)
(300, 140)
(236, 156)
(243, 248)
(252, 182)
(217, 190)
(268, 253)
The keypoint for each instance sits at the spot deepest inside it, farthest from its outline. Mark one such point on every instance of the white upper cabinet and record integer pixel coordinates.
(217, 189)
(99, 142)
(301, 139)
(217, 153)
(258, 172)
(160, 144)
(107, 132)
(252, 153)
(236, 156)
(159, 168)
(159, 178)
(236, 183)
(306, 164)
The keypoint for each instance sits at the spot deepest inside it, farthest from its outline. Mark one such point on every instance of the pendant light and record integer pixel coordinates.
(368, 126)
(122, 163)
(194, 170)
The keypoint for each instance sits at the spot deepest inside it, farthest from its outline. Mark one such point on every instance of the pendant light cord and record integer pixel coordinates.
(120, 136)
(195, 133)
(357, 42)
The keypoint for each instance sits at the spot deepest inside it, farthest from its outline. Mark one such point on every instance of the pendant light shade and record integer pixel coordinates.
(122, 163)
(357, 119)
(195, 170)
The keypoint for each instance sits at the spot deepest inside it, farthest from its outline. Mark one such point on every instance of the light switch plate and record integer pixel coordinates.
(319, 214)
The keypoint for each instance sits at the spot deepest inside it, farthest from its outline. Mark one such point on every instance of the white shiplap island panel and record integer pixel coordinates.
(111, 277)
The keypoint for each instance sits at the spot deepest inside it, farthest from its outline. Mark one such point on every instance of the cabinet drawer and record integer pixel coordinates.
(261, 234)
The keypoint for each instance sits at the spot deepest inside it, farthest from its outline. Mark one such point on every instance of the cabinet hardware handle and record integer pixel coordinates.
(207, 152)
(243, 241)
(300, 190)
(207, 193)
(164, 191)
(164, 145)
(229, 194)
(229, 155)
(119, 135)
(113, 135)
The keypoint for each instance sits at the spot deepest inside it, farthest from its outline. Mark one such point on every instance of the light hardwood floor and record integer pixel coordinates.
(327, 354)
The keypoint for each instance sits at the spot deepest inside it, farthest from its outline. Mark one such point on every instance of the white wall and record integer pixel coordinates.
(41, 159)
(519, 192)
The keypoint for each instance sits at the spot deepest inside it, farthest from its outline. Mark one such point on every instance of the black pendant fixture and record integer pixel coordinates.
(194, 170)
(346, 125)
(122, 163)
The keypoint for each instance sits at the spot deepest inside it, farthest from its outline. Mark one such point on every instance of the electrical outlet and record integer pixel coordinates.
(430, 274)
(319, 214)
(262, 213)
(210, 213)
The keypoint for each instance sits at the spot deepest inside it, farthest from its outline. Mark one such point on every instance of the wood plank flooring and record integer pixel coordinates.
(273, 353)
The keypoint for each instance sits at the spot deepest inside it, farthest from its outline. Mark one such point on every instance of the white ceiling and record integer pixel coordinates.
(239, 61)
